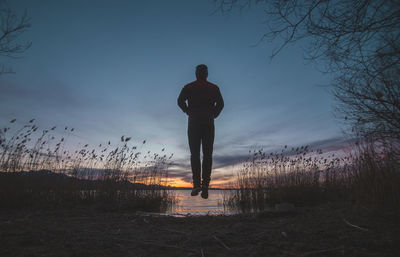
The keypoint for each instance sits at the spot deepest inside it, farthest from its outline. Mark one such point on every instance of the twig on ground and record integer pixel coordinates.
(354, 226)
(321, 251)
(222, 243)
(187, 240)
(202, 252)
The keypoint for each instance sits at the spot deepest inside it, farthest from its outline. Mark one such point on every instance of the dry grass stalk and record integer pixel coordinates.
(118, 175)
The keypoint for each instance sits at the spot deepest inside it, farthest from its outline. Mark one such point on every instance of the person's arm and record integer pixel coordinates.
(219, 104)
(182, 100)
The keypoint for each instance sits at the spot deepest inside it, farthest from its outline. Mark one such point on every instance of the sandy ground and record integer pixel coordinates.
(328, 230)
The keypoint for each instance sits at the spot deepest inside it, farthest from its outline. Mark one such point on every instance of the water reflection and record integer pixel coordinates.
(195, 205)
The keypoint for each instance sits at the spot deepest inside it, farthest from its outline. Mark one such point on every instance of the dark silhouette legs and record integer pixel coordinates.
(201, 133)
(207, 142)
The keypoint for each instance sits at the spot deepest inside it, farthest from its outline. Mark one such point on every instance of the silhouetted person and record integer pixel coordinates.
(204, 104)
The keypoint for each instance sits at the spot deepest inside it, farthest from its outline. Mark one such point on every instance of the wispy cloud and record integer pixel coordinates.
(40, 96)
(332, 144)
(222, 161)
(180, 174)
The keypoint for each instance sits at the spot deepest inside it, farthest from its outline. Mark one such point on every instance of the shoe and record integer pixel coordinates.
(204, 192)
(195, 191)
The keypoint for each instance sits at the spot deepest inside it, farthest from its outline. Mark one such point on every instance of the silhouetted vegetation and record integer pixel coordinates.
(357, 42)
(368, 175)
(38, 169)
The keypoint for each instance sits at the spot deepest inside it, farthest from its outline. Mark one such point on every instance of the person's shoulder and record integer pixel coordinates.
(190, 85)
(212, 85)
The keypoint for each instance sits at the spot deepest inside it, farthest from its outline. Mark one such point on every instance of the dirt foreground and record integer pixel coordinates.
(328, 230)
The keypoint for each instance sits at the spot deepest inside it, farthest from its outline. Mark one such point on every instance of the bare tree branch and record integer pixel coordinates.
(11, 28)
(357, 41)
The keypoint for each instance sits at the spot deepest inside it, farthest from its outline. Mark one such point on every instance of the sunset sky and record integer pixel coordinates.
(112, 68)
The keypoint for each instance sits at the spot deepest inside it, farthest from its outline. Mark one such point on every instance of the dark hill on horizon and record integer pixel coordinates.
(47, 178)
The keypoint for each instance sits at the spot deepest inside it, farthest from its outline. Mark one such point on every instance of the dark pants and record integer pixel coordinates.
(201, 132)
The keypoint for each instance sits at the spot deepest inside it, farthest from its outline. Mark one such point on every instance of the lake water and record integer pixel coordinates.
(195, 205)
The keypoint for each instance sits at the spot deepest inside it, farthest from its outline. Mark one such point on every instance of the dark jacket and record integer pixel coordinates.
(204, 99)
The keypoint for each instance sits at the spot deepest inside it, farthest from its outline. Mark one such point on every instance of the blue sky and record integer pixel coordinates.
(112, 68)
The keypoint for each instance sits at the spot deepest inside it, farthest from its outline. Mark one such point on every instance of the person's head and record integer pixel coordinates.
(201, 71)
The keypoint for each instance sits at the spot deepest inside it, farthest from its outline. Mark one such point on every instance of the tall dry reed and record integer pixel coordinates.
(37, 167)
(370, 173)
(376, 174)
